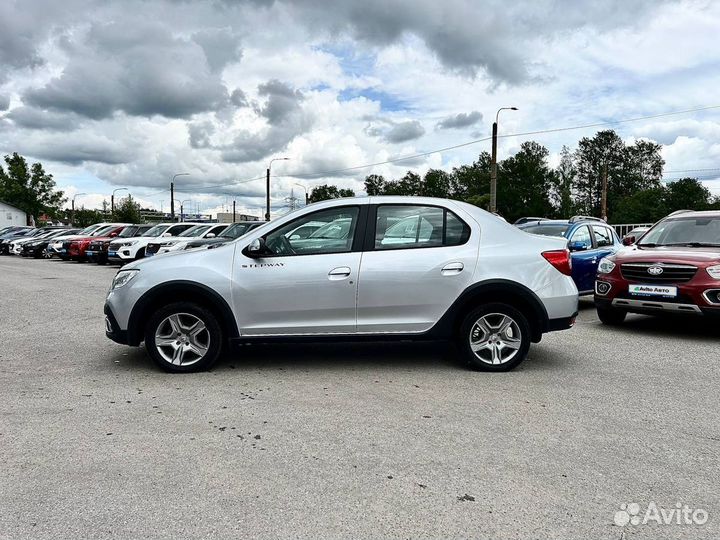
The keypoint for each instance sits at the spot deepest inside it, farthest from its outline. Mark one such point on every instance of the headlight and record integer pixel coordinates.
(126, 244)
(714, 271)
(606, 266)
(122, 278)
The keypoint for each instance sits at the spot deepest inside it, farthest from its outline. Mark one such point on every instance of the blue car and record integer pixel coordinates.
(589, 240)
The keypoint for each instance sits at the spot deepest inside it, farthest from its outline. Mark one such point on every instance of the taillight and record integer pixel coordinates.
(560, 259)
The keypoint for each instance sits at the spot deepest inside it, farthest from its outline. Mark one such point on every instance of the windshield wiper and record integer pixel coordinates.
(694, 244)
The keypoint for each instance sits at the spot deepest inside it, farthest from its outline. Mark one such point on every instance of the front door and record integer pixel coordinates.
(307, 284)
(419, 260)
(584, 262)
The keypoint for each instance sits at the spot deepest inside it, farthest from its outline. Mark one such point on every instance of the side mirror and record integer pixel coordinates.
(210, 235)
(113, 235)
(167, 235)
(628, 241)
(578, 246)
(294, 237)
(257, 248)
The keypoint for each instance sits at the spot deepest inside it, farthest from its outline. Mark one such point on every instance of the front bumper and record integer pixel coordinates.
(112, 329)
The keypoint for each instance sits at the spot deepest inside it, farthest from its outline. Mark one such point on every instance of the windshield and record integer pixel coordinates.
(104, 230)
(157, 230)
(236, 230)
(89, 230)
(197, 230)
(547, 230)
(698, 231)
(131, 230)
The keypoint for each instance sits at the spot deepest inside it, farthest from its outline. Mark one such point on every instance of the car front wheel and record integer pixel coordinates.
(183, 337)
(611, 316)
(494, 337)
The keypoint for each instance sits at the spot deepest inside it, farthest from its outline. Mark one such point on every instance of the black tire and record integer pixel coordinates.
(611, 316)
(140, 254)
(211, 337)
(517, 333)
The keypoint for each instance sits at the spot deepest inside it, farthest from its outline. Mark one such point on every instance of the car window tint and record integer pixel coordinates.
(582, 234)
(603, 236)
(334, 233)
(411, 226)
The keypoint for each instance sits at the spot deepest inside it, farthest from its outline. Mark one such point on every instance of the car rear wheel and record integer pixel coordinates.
(183, 337)
(611, 316)
(494, 337)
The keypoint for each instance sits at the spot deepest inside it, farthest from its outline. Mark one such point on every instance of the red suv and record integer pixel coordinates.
(674, 268)
(77, 247)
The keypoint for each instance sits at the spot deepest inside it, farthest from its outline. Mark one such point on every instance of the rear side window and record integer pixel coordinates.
(603, 236)
(411, 226)
(582, 234)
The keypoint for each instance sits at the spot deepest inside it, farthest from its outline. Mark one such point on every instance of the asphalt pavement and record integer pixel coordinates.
(347, 441)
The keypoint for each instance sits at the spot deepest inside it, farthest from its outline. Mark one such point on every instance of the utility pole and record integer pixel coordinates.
(72, 213)
(604, 194)
(267, 196)
(267, 187)
(493, 162)
(172, 194)
(233, 210)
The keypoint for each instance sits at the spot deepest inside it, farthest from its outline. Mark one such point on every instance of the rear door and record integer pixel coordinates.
(417, 260)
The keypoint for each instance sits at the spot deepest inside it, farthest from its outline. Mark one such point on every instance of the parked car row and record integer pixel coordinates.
(116, 242)
(672, 267)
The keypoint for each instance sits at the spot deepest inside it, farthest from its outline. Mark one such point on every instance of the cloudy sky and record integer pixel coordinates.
(127, 93)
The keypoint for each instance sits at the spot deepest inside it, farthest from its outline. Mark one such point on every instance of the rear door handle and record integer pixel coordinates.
(341, 272)
(452, 269)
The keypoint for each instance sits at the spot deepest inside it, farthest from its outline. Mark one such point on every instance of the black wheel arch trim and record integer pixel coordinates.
(139, 314)
(447, 324)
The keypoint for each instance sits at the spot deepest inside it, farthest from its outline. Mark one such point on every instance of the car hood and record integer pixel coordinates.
(677, 255)
(210, 241)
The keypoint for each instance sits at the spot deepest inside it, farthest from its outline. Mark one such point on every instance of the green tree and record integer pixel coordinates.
(629, 169)
(128, 211)
(524, 183)
(644, 206)
(437, 183)
(687, 194)
(374, 184)
(84, 218)
(325, 192)
(471, 180)
(29, 188)
(563, 183)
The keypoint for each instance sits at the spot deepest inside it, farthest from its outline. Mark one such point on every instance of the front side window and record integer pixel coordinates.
(603, 236)
(334, 233)
(410, 226)
(582, 235)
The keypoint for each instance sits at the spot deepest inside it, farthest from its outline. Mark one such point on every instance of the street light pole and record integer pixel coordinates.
(182, 205)
(493, 162)
(112, 198)
(307, 198)
(72, 214)
(267, 187)
(172, 194)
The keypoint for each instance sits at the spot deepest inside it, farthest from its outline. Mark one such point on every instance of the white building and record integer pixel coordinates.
(11, 216)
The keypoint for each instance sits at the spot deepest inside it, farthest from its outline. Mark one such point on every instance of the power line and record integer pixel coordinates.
(484, 139)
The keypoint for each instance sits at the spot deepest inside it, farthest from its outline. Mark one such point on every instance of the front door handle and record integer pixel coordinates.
(341, 272)
(452, 269)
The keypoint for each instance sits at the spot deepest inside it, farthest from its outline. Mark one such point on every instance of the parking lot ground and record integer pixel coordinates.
(346, 441)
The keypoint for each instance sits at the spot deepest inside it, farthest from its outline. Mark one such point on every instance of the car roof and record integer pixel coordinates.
(695, 213)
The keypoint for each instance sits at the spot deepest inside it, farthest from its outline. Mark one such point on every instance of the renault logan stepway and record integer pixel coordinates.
(406, 268)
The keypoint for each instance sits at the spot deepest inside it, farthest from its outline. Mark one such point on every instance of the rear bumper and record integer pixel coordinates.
(563, 323)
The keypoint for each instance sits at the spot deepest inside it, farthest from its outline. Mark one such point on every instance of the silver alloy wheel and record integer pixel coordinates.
(182, 339)
(495, 338)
